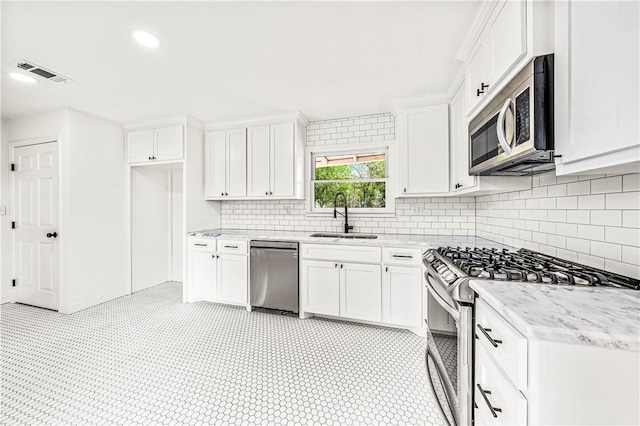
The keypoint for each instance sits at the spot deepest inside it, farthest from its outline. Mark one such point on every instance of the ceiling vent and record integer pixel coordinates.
(42, 72)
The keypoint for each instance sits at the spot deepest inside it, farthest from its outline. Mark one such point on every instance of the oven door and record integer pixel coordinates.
(448, 354)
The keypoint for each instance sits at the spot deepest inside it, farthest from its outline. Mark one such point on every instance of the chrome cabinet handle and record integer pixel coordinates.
(230, 246)
(484, 393)
(403, 256)
(200, 244)
(485, 331)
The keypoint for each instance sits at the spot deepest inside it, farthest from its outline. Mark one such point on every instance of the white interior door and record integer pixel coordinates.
(35, 195)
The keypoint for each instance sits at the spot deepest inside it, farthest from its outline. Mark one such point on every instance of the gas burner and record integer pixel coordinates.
(529, 266)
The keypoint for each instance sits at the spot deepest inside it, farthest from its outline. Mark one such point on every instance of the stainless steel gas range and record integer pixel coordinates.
(448, 273)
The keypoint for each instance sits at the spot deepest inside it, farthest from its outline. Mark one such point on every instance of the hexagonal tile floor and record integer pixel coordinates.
(150, 359)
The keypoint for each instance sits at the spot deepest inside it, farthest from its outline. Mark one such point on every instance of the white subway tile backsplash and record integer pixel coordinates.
(579, 188)
(626, 236)
(610, 184)
(606, 217)
(590, 202)
(631, 182)
(623, 201)
(578, 216)
(631, 218)
(567, 203)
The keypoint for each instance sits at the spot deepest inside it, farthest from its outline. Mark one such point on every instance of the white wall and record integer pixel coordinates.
(92, 209)
(6, 251)
(93, 262)
(150, 226)
(177, 223)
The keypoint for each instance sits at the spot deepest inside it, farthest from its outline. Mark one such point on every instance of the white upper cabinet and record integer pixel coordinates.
(282, 160)
(597, 96)
(511, 34)
(271, 160)
(264, 159)
(226, 163)
(459, 144)
(163, 144)
(169, 144)
(236, 170)
(258, 161)
(423, 150)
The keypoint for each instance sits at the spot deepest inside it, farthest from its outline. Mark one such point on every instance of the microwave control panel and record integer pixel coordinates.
(523, 117)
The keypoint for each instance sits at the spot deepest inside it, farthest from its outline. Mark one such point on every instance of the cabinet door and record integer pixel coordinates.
(140, 146)
(478, 73)
(201, 276)
(402, 296)
(169, 143)
(459, 144)
(258, 160)
(360, 291)
(508, 35)
(237, 162)
(597, 93)
(215, 164)
(231, 279)
(282, 160)
(320, 287)
(423, 150)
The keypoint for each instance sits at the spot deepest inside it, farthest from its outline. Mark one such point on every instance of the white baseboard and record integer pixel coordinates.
(70, 309)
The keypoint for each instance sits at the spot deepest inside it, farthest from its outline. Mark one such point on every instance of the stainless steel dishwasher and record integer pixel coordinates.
(274, 275)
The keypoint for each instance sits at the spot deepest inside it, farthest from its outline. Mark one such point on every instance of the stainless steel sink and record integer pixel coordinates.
(354, 236)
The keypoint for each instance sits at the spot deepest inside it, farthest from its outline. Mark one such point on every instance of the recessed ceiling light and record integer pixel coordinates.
(23, 78)
(146, 39)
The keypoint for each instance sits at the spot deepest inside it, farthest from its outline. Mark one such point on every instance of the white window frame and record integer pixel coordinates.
(320, 151)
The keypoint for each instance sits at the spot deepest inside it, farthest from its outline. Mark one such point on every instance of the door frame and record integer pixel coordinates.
(12, 147)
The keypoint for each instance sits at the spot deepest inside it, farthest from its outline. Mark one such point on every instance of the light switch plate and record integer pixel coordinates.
(3, 210)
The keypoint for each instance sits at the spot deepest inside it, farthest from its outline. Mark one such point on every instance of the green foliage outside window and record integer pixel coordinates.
(359, 194)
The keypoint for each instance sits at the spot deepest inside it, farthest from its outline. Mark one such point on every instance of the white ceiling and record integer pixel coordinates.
(221, 60)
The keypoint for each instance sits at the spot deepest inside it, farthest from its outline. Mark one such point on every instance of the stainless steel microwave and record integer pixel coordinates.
(513, 135)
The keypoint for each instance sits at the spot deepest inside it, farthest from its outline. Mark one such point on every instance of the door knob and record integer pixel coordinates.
(52, 235)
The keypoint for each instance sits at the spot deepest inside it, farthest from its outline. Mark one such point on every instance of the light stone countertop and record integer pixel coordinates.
(383, 240)
(606, 317)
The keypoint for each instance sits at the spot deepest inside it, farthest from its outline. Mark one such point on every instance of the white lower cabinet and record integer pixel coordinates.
(231, 279)
(362, 288)
(215, 275)
(401, 296)
(360, 291)
(320, 287)
(521, 380)
(202, 276)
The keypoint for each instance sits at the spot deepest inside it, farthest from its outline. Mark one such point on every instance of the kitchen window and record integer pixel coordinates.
(363, 176)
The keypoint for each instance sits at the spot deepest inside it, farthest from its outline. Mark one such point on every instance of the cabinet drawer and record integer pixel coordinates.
(207, 245)
(503, 343)
(341, 253)
(232, 246)
(492, 389)
(401, 256)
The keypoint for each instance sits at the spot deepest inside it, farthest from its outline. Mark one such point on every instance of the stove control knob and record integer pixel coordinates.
(442, 269)
(450, 277)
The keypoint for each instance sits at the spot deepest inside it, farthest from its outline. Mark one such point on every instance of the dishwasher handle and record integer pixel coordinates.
(278, 245)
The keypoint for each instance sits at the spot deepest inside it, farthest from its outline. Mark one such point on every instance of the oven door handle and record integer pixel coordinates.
(501, 124)
(441, 301)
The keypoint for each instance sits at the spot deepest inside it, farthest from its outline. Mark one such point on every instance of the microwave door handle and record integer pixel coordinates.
(502, 137)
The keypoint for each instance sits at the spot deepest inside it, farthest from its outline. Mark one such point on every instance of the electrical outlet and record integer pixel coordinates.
(416, 208)
(287, 209)
(233, 211)
(3, 210)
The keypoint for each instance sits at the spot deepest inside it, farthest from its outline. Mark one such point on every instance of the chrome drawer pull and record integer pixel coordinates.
(494, 410)
(485, 331)
(201, 245)
(403, 256)
(230, 246)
